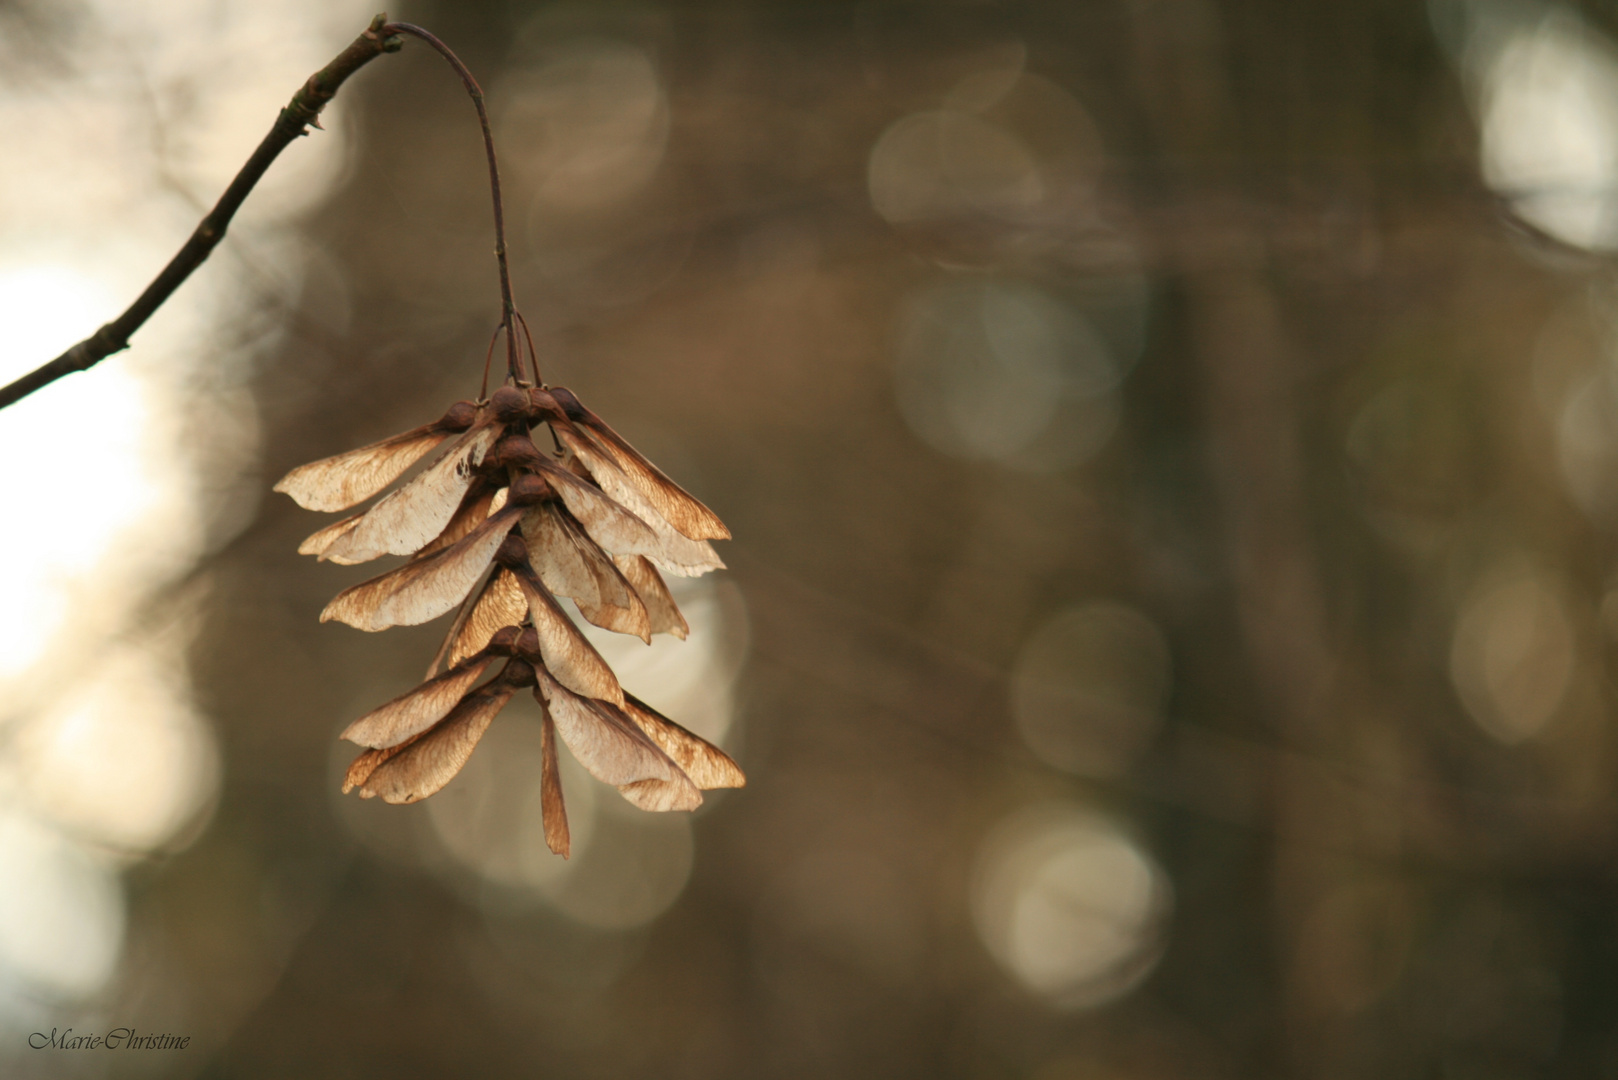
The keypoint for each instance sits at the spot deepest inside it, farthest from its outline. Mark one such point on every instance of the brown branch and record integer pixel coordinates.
(304, 109)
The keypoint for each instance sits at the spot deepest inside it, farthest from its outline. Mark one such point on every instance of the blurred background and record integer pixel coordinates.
(1172, 449)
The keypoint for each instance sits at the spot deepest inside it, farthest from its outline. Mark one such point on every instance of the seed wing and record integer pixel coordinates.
(674, 552)
(406, 520)
(412, 713)
(477, 505)
(662, 795)
(424, 588)
(571, 659)
(341, 481)
(500, 603)
(569, 563)
(421, 766)
(610, 524)
(551, 803)
(677, 506)
(613, 749)
(662, 614)
(317, 542)
(706, 764)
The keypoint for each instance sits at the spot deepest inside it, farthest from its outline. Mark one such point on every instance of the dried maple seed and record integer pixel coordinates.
(509, 405)
(503, 530)
(529, 489)
(499, 529)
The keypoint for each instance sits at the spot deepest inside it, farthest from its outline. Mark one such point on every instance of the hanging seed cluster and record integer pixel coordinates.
(498, 528)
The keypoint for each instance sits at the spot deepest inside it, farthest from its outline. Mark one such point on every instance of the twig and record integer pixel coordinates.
(303, 110)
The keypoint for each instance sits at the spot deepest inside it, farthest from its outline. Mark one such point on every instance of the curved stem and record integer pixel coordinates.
(508, 309)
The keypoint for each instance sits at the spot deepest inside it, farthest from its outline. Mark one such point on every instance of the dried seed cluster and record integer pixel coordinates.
(501, 529)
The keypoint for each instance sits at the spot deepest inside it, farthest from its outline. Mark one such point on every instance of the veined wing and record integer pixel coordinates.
(674, 552)
(405, 521)
(677, 506)
(412, 713)
(343, 480)
(318, 541)
(569, 563)
(661, 612)
(500, 603)
(552, 806)
(421, 766)
(608, 522)
(706, 764)
(615, 750)
(424, 588)
(570, 658)
(477, 506)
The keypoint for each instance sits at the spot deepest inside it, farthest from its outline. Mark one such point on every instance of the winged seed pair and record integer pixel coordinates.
(501, 529)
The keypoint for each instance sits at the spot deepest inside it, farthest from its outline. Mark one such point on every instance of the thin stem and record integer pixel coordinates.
(533, 354)
(303, 110)
(508, 309)
(483, 390)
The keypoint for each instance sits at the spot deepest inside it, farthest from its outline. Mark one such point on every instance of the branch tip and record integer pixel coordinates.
(292, 121)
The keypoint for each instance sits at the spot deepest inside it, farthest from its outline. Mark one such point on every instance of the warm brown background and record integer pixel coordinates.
(1365, 882)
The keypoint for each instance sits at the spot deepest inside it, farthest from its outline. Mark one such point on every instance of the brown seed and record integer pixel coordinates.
(512, 553)
(528, 489)
(509, 404)
(516, 450)
(504, 641)
(459, 416)
(518, 673)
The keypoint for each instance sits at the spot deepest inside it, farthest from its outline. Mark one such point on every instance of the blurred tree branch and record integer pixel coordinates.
(303, 110)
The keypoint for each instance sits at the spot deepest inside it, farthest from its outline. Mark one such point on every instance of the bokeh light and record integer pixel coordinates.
(130, 472)
(61, 911)
(1550, 128)
(1069, 905)
(1004, 372)
(123, 760)
(1514, 653)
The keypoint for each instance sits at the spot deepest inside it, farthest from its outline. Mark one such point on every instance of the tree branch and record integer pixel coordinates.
(303, 110)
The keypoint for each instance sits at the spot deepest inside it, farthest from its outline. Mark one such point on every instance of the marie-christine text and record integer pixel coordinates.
(116, 1039)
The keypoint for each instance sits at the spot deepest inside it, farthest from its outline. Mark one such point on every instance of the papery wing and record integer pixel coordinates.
(462, 613)
(477, 505)
(611, 525)
(317, 542)
(406, 520)
(361, 768)
(706, 764)
(662, 614)
(425, 764)
(673, 552)
(551, 803)
(412, 713)
(340, 481)
(424, 588)
(569, 563)
(677, 506)
(608, 745)
(662, 795)
(571, 659)
(631, 620)
(554, 555)
(501, 604)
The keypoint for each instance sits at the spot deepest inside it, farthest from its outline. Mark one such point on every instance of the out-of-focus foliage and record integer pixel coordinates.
(1172, 449)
